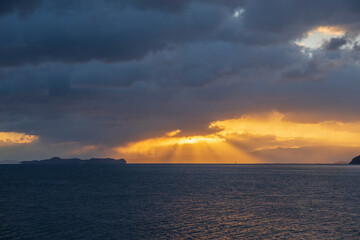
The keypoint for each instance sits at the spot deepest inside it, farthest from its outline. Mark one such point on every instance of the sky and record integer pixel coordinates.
(191, 81)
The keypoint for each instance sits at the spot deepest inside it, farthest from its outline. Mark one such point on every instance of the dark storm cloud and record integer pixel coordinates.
(106, 34)
(294, 16)
(104, 73)
(315, 69)
(125, 30)
(334, 43)
(22, 7)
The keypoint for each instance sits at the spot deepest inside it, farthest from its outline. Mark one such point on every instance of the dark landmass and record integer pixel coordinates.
(355, 160)
(57, 160)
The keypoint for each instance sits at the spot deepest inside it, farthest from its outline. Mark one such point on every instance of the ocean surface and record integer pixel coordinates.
(179, 202)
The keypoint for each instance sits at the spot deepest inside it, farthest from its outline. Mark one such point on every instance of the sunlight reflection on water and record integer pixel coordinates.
(179, 202)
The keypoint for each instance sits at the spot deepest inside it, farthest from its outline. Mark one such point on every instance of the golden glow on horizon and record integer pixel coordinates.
(192, 149)
(16, 138)
(291, 134)
(234, 140)
(148, 145)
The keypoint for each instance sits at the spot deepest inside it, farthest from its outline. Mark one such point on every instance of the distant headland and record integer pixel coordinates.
(57, 160)
(355, 160)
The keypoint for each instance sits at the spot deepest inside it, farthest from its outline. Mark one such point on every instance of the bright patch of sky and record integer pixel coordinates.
(316, 37)
(239, 12)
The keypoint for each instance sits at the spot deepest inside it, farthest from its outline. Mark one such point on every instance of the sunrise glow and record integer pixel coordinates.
(149, 145)
(9, 138)
(288, 133)
(234, 140)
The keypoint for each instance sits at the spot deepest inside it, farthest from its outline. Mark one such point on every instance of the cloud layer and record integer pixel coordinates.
(89, 76)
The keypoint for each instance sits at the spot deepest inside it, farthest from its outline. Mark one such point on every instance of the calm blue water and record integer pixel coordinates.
(180, 202)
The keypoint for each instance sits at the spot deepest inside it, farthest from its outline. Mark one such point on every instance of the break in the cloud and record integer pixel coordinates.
(91, 77)
(11, 138)
(244, 140)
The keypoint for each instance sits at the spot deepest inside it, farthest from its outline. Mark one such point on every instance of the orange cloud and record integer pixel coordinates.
(291, 134)
(149, 145)
(235, 140)
(173, 133)
(211, 148)
(329, 30)
(9, 138)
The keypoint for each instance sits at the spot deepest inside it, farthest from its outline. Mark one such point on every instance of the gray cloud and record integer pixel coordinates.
(106, 35)
(22, 7)
(112, 31)
(334, 43)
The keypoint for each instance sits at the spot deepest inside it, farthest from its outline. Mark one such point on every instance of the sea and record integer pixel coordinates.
(179, 202)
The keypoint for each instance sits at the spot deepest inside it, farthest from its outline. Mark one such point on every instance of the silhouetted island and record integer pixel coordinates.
(57, 160)
(355, 160)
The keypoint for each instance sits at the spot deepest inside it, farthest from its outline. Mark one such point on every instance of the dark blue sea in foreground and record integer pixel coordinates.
(179, 202)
